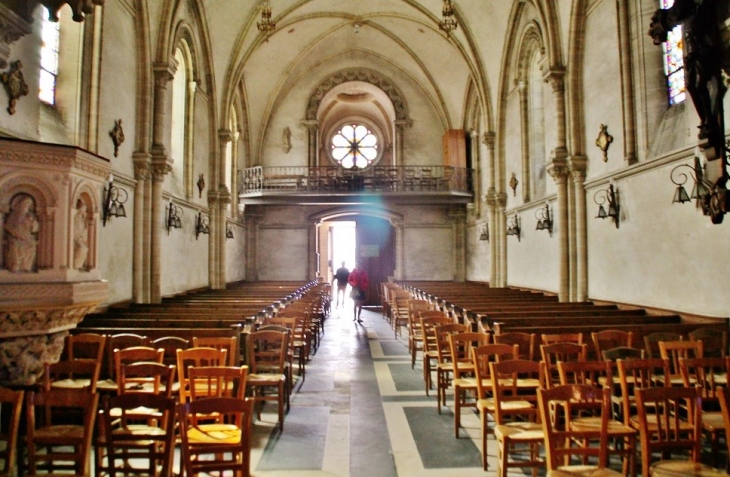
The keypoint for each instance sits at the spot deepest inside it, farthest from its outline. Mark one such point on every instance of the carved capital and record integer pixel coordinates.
(501, 200)
(556, 77)
(311, 125)
(158, 171)
(489, 139)
(141, 171)
(225, 135)
(164, 73)
(559, 172)
(578, 166)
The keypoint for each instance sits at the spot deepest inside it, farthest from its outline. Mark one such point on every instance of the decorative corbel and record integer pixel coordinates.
(15, 84)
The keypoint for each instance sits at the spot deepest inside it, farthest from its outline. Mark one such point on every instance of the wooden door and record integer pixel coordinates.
(375, 249)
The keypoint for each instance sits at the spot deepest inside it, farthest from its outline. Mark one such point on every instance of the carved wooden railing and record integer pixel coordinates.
(376, 179)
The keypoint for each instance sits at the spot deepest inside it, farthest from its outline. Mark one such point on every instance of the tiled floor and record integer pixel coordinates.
(362, 411)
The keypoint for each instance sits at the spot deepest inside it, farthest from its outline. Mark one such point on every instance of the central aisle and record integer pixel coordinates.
(362, 412)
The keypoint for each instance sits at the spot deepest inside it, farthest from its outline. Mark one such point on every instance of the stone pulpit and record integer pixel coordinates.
(50, 216)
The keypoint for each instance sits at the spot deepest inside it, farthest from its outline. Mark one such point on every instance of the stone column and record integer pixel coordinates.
(252, 226)
(218, 236)
(400, 128)
(158, 213)
(140, 293)
(458, 221)
(312, 262)
(578, 171)
(312, 143)
(189, 142)
(492, 212)
(400, 259)
(477, 163)
(501, 238)
(235, 135)
(523, 89)
(627, 82)
(559, 172)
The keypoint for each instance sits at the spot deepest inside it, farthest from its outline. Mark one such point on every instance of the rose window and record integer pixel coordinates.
(354, 146)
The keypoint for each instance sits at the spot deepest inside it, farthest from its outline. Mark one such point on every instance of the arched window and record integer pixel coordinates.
(354, 146)
(50, 35)
(674, 61)
(178, 126)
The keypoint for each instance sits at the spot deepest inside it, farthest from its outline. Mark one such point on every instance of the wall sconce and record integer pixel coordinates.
(544, 219)
(485, 233)
(174, 213)
(513, 226)
(202, 225)
(700, 189)
(114, 200)
(609, 197)
(229, 231)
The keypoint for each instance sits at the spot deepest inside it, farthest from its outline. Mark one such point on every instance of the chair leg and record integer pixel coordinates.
(457, 410)
(483, 416)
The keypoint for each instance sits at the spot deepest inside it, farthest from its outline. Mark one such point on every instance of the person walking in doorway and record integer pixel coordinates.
(360, 283)
(341, 276)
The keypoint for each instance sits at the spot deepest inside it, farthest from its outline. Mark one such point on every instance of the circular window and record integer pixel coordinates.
(354, 146)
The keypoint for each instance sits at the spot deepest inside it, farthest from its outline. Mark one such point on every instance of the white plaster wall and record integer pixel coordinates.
(184, 259)
(513, 149)
(116, 255)
(429, 253)
(283, 253)
(236, 254)
(477, 254)
(663, 255)
(533, 261)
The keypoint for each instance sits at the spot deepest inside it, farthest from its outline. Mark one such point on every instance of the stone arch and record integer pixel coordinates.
(358, 74)
(352, 211)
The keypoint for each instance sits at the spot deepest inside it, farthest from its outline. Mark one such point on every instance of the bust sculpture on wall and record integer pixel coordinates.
(21, 229)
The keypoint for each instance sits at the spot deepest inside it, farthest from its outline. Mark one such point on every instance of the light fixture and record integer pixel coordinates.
(513, 227)
(700, 189)
(174, 213)
(229, 231)
(202, 225)
(266, 26)
(485, 233)
(608, 197)
(544, 219)
(448, 23)
(114, 200)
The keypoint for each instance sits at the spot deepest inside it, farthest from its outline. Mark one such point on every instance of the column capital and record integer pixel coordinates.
(559, 172)
(555, 75)
(159, 170)
(310, 124)
(164, 73)
(141, 170)
(224, 195)
(225, 135)
(403, 124)
(489, 138)
(501, 200)
(578, 165)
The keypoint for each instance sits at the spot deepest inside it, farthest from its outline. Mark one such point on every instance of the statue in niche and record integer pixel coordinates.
(286, 139)
(703, 59)
(21, 228)
(81, 236)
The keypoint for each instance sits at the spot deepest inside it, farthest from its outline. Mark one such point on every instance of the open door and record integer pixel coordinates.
(375, 239)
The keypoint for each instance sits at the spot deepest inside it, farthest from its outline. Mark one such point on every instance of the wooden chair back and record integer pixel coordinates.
(526, 342)
(651, 342)
(196, 357)
(217, 381)
(228, 343)
(714, 342)
(515, 383)
(673, 351)
(11, 405)
(560, 351)
(72, 374)
(85, 346)
(461, 346)
(146, 377)
(483, 356)
(562, 338)
(636, 374)
(589, 373)
(608, 339)
(622, 352)
(170, 345)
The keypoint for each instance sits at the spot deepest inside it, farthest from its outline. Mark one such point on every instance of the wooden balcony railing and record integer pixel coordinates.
(376, 179)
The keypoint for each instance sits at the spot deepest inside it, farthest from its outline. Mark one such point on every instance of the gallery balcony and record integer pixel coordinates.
(335, 185)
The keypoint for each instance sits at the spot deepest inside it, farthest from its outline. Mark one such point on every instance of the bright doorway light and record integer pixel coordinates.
(343, 245)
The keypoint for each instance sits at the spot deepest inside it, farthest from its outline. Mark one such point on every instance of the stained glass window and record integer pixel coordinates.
(354, 146)
(49, 60)
(674, 61)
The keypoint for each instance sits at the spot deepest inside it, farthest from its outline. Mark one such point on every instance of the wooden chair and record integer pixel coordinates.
(600, 374)
(196, 357)
(129, 444)
(217, 381)
(608, 339)
(135, 354)
(206, 451)
(415, 334)
(72, 374)
(709, 375)
(297, 344)
(562, 338)
(11, 405)
(561, 436)
(636, 374)
(526, 342)
(85, 346)
(622, 352)
(723, 395)
(445, 366)
(146, 377)
(400, 311)
(483, 356)
(670, 421)
(170, 345)
(228, 343)
(651, 342)
(714, 342)
(560, 351)
(516, 415)
(673, 351)
(267, 361)
(464, 383)
(430, 350)
(60, 425)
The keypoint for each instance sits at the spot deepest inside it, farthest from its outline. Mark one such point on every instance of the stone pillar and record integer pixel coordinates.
(218, 236)
(488, 181)
(556, 77)
(312, 262)
(525, 140)
(627, 82)
(400, 128)
(400, 259)
(559, 172)
(458, 221)
(140, 244)
(477, 163)
(491, 206)
(189, 142)
(501, 238)
(312, 142)
(252, 226)
(578, 171)
(235, 135)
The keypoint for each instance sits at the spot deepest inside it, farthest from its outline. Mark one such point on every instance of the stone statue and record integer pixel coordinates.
(21, 227)
(703, 59)
(81, 236)
(15, 84)
(286, 139)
